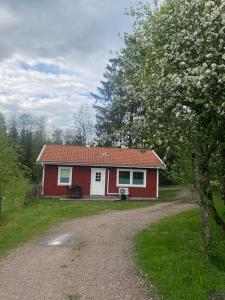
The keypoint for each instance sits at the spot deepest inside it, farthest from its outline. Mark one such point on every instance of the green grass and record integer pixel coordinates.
(171, 254)
(21, 225)
(168, 194)
(219, 203)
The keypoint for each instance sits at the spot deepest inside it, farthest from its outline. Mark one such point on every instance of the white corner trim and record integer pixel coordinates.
(70, 178)
(131, 176)
(158, 158)
(157, 184)
(43, 180)
(39, 156)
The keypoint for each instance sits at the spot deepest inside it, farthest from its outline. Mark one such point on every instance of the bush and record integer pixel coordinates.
(13, 184)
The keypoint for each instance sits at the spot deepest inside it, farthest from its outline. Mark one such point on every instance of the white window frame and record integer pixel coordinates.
(131, 178)
(59, 176)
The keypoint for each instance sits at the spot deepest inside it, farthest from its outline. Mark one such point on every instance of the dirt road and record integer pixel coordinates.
(87, 258)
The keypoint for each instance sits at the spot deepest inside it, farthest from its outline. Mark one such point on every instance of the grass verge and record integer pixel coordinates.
(171, 254)
(21, 225)
(168, 194)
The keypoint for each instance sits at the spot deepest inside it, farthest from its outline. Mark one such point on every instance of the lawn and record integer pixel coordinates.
(168, 194)
(20, 226)
(171, 254)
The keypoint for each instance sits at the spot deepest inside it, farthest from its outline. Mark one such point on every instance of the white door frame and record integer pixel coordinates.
(101, 185)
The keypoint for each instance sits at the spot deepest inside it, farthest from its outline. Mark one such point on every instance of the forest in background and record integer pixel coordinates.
(27, 134)
(21, 140)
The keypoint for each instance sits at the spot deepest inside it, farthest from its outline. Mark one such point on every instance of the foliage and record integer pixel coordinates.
(27, 135)
(57, 136)
(2, 124)
(168, 194)
(171, 70)
(83, 125)
(173, 92)
(109, 111)
(82, 131)
(13, 185)
(39, 138)
(129, 116)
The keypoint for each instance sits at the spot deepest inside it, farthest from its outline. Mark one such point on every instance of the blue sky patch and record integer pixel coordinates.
(44, 68)
(43, 96)
(86, 94)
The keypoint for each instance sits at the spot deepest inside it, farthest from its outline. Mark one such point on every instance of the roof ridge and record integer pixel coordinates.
(98, 147)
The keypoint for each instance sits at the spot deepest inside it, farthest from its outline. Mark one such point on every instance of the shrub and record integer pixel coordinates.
(13, 184)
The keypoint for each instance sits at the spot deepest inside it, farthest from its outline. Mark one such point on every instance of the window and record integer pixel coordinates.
(124, 177)
(138, 178)
(133, 178)
(64, 176)
(98, 176)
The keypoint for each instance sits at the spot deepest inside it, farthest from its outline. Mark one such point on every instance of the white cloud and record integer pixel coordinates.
(73, 38)
(57, 96)
(7, 18)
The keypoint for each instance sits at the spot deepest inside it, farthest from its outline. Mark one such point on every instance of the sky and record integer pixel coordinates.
(53, 54)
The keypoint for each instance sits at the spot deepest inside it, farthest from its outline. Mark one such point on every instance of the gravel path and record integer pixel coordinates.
(87, 258)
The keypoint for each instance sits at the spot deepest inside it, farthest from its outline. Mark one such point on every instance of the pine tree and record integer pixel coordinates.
(13, 132)
(2, 124)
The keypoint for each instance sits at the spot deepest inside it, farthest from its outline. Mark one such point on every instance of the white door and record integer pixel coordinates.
(97, 182)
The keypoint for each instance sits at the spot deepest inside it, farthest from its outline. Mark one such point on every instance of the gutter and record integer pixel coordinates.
(97, 165)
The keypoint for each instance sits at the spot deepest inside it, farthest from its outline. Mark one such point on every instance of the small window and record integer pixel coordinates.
(131, 177)
(64, 176)
(138, 178)
(98, 176)
(124, 177)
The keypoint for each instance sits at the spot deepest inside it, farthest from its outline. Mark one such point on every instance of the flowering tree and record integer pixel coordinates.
(174, 68)
(183, 72)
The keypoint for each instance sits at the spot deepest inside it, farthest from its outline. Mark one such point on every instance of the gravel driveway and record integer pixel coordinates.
(87, 258)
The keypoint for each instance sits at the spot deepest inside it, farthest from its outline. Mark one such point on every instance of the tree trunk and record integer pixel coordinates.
(204, 152)
(202, 156)
(199, 197)
(222, 175)
(208, 196)
(207, 237)
(130, 135)
(1, 206)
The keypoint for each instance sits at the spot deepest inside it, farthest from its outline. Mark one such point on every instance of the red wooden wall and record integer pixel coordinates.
(151, 184)
(82, 176)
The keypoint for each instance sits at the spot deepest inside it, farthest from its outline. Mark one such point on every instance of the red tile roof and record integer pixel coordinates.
(99, 156)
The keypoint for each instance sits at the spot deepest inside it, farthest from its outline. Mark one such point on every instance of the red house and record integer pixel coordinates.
(100, 171)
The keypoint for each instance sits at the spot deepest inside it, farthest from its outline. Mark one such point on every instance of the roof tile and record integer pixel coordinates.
(99, 156)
